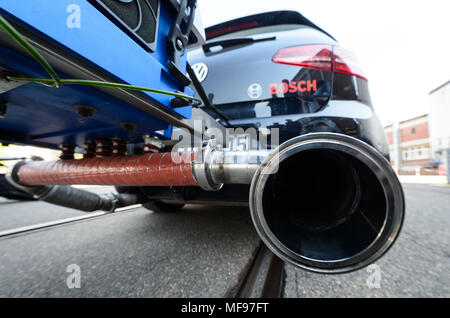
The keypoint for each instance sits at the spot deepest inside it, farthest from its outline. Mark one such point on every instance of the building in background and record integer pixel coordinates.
(409, 144)
(422, 144)
(440, 124)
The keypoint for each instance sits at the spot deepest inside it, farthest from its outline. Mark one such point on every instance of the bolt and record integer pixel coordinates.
(128, 126)
(85, 111)
(146, 138)
(179, 44)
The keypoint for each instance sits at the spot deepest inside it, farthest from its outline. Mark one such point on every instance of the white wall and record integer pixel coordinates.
(439, 117)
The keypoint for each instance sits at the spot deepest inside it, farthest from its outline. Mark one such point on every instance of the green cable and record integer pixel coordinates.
(100, 84)
(55, 81)
(31, 50)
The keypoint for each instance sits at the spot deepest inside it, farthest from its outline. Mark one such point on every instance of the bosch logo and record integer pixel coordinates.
(200, 70)
(254, 91)
(294, 87)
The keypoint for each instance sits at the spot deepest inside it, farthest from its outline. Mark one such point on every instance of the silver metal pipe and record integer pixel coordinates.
(224, 166)
(236, 166)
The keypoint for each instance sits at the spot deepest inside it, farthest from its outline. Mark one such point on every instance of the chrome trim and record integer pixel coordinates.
(393, 192)
(219, 166)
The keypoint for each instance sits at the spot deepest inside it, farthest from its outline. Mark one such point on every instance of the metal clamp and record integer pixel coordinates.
(177, 41)
(202, 171)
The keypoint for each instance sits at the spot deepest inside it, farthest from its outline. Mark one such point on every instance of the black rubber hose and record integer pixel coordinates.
(201, 92)
(74, 198)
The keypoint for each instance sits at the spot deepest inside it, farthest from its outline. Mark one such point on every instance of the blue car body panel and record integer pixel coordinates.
(45, 116)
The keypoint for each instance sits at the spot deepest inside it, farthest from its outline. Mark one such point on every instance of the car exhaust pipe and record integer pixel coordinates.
(327, 203)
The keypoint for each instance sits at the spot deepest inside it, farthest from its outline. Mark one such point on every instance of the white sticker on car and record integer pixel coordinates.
(254, 91)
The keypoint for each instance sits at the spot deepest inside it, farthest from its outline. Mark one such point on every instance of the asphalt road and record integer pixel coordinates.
(418, 265)
(199, 252)
(202, 252)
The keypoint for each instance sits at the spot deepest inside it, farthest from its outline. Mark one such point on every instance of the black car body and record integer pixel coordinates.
(297, 96)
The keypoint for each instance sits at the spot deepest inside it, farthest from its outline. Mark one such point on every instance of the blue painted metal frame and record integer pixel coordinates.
(45, 116)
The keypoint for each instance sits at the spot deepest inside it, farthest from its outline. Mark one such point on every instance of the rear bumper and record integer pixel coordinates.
(347, 117)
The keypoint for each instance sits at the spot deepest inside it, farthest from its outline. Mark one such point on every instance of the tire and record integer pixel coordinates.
(162, 207)
(122, 189)
(155, 206)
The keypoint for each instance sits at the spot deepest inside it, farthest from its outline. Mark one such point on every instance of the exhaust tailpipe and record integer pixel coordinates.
(327, 203)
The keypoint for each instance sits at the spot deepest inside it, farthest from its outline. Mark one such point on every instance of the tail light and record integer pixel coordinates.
(321, 57)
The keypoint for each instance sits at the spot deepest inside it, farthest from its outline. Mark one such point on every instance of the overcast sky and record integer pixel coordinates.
(403, 46)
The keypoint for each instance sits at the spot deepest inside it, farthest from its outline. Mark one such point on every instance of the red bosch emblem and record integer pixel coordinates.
(293, 87)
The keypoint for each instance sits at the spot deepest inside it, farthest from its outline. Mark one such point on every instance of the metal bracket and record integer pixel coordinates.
(177, 40)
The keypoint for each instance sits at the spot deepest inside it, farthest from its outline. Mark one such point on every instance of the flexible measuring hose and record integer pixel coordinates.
(55, 81)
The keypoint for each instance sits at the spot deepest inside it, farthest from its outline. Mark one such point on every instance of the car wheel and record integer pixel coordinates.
(121, 189)
(162, 207)
(155, 206)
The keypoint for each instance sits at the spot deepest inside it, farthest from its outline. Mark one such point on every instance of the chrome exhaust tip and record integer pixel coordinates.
(327, 202)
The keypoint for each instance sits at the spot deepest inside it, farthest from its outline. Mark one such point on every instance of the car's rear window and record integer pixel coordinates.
(271, 20)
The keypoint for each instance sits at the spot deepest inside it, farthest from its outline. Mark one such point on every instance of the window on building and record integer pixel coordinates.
(413, 131)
